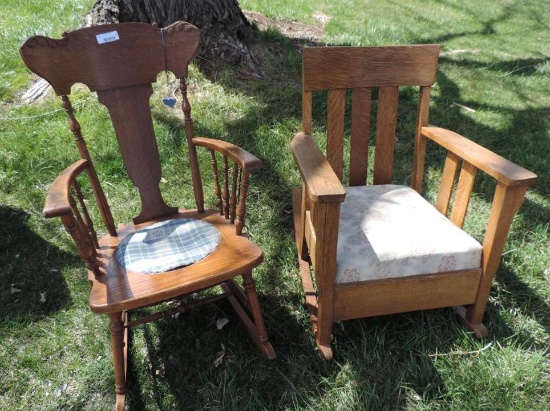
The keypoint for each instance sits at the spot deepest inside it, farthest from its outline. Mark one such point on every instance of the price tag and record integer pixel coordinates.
(107, 37)
(156, 234)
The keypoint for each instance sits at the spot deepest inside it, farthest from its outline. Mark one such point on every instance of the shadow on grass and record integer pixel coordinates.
(389, 360)
(31, 284)
(515, 295)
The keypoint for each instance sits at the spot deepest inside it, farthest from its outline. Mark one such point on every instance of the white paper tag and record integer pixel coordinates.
(107, 37)
(156, 234)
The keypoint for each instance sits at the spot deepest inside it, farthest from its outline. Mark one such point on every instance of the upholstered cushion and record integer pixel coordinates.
(389, 231)
(167, 245)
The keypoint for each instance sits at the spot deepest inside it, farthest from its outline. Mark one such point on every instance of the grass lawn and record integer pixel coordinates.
(493, 86)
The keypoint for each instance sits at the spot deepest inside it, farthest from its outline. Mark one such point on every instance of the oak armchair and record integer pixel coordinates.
(166, 252)
(377, 247)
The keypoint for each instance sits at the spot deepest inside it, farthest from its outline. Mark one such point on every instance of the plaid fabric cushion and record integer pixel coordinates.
(167, 245)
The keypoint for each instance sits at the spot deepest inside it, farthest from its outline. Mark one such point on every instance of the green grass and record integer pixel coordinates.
(55, 354)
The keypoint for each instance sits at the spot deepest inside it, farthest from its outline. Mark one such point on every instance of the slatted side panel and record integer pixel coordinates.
(360, 129)
(335, 130)
(386, 123)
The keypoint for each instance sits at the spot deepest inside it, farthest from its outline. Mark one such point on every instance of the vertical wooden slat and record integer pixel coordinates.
(463, 192)
(303, 205)
(386, 123)
(447, 182)
(360, 128)
(307, 108)
(335, 130)
(420, 140)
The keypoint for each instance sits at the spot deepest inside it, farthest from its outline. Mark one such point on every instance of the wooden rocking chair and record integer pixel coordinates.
(165, 253)
(381, 248)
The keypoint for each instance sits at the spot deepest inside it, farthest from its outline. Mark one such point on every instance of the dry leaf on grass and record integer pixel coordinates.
(220, 355)
(221, 323)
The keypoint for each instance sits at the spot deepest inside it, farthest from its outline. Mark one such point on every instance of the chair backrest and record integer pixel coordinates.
(362, 69)
(120, 62)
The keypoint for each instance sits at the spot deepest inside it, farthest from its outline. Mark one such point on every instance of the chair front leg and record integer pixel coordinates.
(254, 303)
(506, 203)
(249, 300)
(325, 218)
(119, 342)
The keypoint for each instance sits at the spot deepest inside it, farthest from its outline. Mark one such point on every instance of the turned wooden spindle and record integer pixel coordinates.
(99, 195)
(225, 187)
(85, 248)
(233, 200)
(217, 187)
(193, 161)
(88, 223)
(241, 208)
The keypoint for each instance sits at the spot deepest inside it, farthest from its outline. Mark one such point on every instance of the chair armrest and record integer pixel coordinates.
(60, 203)
(243, 158)
(322, 183)
(512, 183)
(496, 166)
(231, 193)
(58, 198)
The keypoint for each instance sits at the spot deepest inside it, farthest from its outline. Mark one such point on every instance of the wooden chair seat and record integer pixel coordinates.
(118, 288)
(391, 231)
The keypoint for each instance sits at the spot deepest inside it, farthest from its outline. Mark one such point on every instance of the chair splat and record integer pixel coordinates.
(131, 116)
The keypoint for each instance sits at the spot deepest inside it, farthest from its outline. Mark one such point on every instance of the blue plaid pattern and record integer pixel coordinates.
(167, 245)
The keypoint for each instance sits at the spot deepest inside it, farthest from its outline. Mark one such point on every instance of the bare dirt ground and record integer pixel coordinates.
(291, 29)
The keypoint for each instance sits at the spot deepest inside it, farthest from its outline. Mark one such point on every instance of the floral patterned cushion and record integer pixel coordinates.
(389, 231)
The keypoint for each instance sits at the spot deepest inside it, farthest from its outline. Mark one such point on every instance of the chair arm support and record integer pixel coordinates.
(60, 203)
(496, 166)
(512, 183)
(243, 158)
(57, 200)
(320, 179)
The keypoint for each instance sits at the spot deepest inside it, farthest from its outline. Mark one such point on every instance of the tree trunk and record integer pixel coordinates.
(222, 25)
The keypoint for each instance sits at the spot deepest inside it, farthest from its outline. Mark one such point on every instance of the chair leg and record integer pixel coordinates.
(479, 330)
(323, 335)
(119, 337)
(320, 321)
(255, 326)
